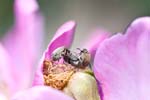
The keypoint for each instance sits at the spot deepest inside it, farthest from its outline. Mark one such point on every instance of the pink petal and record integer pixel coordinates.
(41, 93)
(122, 63)
(95, 39)
(7, 78)
(3, 97)
(24, 40)
(63, 37)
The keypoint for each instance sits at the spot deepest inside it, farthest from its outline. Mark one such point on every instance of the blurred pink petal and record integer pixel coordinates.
(95, 39)
(23, 41)
(2, 97)
(63, 37)
(122, 63)
(41, 93)
(7, 78)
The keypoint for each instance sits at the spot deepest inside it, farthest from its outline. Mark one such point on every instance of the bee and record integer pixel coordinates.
(81, 59)
(73, 59)
(85, 57)
(67, 55)
(58, 53)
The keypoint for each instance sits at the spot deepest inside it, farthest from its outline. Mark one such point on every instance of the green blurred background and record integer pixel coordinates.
(112, 15)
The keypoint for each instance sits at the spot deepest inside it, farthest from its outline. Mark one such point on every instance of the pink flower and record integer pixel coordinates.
(19, 51)
(63, 37)
(19, 48)
(122, 63)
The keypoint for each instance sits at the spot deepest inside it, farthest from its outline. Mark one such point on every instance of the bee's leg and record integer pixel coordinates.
(90, 66)
(65, 63)
(66, 60)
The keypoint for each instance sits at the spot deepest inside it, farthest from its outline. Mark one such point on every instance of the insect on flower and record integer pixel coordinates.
(81, 59)
(58, 53)
(85, 56)
(65, 70)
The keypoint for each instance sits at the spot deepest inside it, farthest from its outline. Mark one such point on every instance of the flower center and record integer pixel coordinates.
(57, 75)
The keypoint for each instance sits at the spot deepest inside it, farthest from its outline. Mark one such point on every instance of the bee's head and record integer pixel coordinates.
(84, 51)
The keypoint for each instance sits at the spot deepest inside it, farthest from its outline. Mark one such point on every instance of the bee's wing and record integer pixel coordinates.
(74, 58)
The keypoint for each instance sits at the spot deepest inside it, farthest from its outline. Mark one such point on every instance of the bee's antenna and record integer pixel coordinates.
(79, 49)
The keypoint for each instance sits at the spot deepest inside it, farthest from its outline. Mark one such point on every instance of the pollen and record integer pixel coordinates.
(57, 75)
